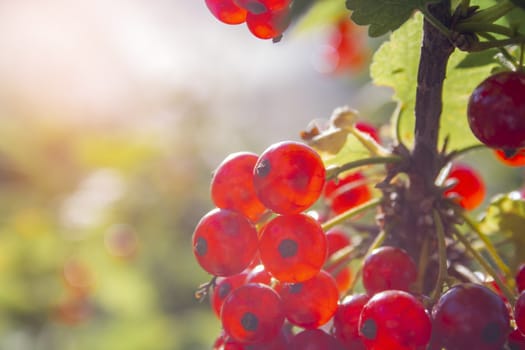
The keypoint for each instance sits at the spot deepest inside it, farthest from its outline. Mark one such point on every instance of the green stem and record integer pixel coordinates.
(491, 14)
(442, 256)
(481, 46)
(488, 245)
(422, 265)
(334, 171)
(380, 238)
(343, 254)
(486, 266)
(337, 220)
(480, 27)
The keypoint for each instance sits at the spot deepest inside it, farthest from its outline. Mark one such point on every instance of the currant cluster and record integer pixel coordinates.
(266, 19)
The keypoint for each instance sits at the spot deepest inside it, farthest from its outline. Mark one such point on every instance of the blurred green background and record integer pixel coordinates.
(113, 115)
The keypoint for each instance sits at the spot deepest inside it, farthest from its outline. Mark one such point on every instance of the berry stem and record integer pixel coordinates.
(336, 170)
(486, 266)
(488, 245)
(380, 238)
(442, 256)
(422, 265)
(482, 27)
(492, 13)
(520, 39)
(339, 219)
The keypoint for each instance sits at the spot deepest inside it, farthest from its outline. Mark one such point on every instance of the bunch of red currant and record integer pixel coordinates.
(266, 19)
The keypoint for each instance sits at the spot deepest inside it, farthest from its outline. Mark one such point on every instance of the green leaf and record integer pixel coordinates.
(476, 59)
(383, 15)
(519, 3)
(506, 216)
(395, 65)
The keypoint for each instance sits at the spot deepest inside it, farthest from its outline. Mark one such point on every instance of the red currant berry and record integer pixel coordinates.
(337, 240)
(227, 11)
(520, 278)
(261, 6)
(470, 316)
(516, 340)
(270, 24)
(293, 247)
(347, 193)
(224, 242)
(252, 313)
(232, 185)
(519, 312)
(289, 177)
(223, 287)
(516, 159)
(346, 321)
(312, 303)
(469, 188)
(496, 111)
(388, 268)
(314, 339)
(395, 320)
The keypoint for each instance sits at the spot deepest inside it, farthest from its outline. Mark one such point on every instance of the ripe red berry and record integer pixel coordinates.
(519, 312)
(470, 316)
(395, 320)
(224, 242)
(346, 49)
(252, 313)
(337, 239)
(261, 6)
(312, 303)
(346, 321)
(232, 185)
(520, 278)
(347, 192)
(496, 111)
(223, 287)
(289, 177)
(293, 247)
(388, 268)
(227, 11)
(516, 159)
(516, 340)
(269, 24)
(469, 189)
(314, 339)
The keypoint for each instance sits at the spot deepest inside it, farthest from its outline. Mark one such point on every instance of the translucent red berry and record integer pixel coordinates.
(516, 340)
(520, 278)
(269, 24)
(516, 158)
(312, 303)
(346, 321)
(347, 192)
(314, 339)
(469, 189)
(470, 316)
(223, 287)
(496, 111)
(289, 177)
(224, 242)
(293, 247)
(252, 313)
(261, 6)
(232, 185)
(227, 11)
(395, 320)
(519, 312)
(337, 239)
(388, 268)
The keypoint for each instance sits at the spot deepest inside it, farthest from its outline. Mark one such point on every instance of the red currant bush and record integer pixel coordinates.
(289, 177)
(252, 313)
(224, 242)
(394, 319)
(496, 111)
(293, 247)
